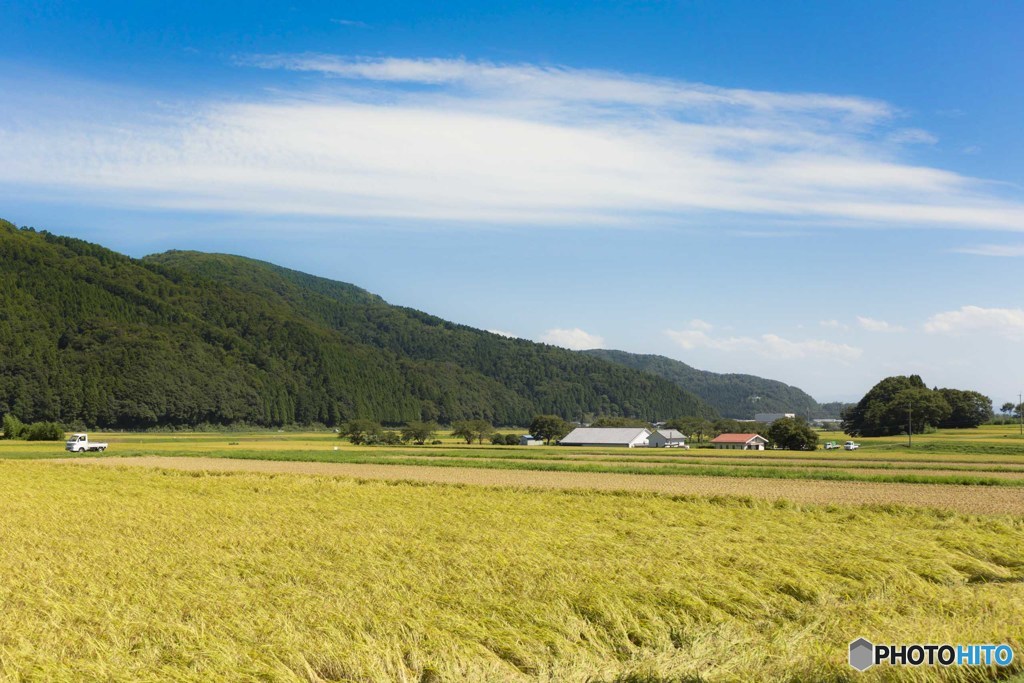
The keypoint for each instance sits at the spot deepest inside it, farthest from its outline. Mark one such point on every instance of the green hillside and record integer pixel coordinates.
(184, 338)
(732, 395)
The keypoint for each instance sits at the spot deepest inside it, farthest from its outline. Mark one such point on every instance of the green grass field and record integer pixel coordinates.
(148, 575)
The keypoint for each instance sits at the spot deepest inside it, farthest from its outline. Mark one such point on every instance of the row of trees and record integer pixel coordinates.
(370, 433)
(899, 403)
(367, 432)
(37, 431)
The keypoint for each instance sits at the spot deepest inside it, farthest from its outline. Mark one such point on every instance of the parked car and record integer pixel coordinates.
(79, 443)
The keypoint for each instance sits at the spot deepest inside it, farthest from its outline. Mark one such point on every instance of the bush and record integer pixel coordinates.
(436, 442)
(13, 427)
(511, 439)
(391, 438)
(45, 431)
(498, 439)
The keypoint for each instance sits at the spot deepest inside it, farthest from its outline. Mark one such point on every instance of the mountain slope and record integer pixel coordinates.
(183, 338)
(732, 395)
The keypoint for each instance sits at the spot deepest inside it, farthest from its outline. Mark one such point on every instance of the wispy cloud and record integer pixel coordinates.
(574, 338)
(874, 325)
(912, 136)
(834, 325)
(1002, 250)
(1001, 322)
(519, 144)
(767, 345)
(349, 22)
(503, 333)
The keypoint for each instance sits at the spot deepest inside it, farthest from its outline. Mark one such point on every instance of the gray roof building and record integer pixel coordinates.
(627, 437)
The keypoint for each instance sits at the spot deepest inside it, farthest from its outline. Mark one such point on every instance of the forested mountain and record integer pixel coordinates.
(732, 395)
(89, 335)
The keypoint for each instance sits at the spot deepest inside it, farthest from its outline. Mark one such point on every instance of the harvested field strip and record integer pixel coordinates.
(699, 460)
(699, 470)
(966, 499)
(810, 470)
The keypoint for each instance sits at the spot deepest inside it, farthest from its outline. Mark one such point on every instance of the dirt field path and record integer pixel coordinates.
(969, 499)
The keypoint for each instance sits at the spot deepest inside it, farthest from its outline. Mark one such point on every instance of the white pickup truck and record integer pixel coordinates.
(79, 443)
(851, 445)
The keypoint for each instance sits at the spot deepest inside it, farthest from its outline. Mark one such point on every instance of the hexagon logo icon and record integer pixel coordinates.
(862, 654)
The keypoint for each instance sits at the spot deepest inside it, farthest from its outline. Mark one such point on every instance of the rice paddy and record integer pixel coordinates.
(298, 557)
(144, 575)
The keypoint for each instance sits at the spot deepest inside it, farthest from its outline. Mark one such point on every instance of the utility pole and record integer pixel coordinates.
(910, 425)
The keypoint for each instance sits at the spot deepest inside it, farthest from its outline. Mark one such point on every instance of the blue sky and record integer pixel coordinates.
(822, 193)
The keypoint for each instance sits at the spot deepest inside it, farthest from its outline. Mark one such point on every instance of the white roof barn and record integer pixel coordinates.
(627, 437)
(742, 442)
(666, 438)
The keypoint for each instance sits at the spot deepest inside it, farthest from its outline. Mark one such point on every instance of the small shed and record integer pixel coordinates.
(626, 437)
(528, 440)
(667, 438)
(740, 442)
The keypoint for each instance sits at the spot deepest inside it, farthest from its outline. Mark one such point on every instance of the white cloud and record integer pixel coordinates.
(912, 136)
(454, 140)
(575, 339)
(503, 333)
(1003, 250)
(698, 324)
(1003, 322)
(874, 325)
(767, 345)
(834, 325)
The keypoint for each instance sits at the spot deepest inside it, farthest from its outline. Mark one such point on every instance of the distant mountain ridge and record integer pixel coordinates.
(182, 338)
(735, 396)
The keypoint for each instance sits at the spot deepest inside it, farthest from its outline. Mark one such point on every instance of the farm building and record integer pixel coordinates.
(528, 440)
(768, 418)
(626, 437)
(740, 442)
(666, 438)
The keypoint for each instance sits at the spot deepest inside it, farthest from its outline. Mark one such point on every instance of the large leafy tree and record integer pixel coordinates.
(793, 433)
(472, 430)
(363, 432)
(419, 432)
(894, 404)
(549, 427)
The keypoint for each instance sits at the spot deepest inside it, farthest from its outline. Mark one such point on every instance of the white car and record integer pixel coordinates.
(851, 445)
(79, 443)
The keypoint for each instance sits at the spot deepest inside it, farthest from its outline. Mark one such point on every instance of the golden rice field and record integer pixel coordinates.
(566, 565)
(136, 574)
